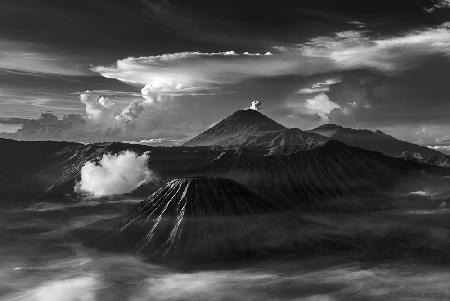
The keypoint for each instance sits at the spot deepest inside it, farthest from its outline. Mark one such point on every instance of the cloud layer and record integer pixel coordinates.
(197, 72)
(177, 92)
(115, 174)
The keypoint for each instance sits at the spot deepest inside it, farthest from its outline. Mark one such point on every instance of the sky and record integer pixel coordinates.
(162, 71)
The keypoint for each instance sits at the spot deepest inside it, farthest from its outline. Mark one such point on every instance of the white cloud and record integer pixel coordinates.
(73, 289)
(350, 50)
(98, 107)
(319, 104)
(438, 4)
(115, 174)
(188, 73)
(441, 148)
(358, 24)
(318, 87)
(103, 112)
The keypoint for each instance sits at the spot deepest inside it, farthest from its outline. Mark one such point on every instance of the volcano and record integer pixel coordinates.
(236, 129)
(252, 129)
(203, 196)
(201, 218)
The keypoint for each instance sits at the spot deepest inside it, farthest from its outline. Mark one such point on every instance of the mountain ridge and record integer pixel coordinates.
(381, 142)
(252, 129)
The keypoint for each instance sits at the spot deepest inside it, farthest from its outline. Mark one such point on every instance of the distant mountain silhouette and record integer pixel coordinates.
(373, 140)
(252, 129)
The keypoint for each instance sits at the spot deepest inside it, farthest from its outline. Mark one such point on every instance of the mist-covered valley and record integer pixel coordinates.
(247, 210)
(383, 255)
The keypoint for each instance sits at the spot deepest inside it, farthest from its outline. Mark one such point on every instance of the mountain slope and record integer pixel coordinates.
(200, 218)
(314, 178)
(286, 141)
(203, 196)
(332, 176)
(236, 129)
(251, 129)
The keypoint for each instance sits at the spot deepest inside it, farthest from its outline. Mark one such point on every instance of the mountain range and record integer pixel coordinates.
(234, 191)
(251, 129)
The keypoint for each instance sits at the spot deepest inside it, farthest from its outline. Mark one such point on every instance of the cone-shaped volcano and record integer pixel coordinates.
(236, 129)
(203, 196)
(202, 218)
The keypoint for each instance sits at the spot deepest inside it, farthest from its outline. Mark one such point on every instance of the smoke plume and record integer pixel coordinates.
(115, 174)
(256, 105)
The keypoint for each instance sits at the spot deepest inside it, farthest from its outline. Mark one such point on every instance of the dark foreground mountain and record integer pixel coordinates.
(203, 196)
(201, 218)
(333, 176)
(381, 142)
(270, 212)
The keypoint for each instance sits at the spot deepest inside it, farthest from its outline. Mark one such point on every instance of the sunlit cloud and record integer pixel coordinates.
(319, 105)
(355, 49)
(190, 73)
(438, 4)
(441, 148)
(318, 87)
(115, 174)
(194, 73)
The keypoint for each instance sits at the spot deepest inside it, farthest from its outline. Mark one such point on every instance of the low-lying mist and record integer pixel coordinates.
(41, 260)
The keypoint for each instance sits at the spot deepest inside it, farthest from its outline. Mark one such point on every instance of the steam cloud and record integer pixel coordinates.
(115, 174)
(256, 105)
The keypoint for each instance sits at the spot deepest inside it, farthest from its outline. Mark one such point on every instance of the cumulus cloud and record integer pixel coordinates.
(103, 110)
(115, 174)
(319, 105)
(106, 117)
(98, 108)
(119, 117)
